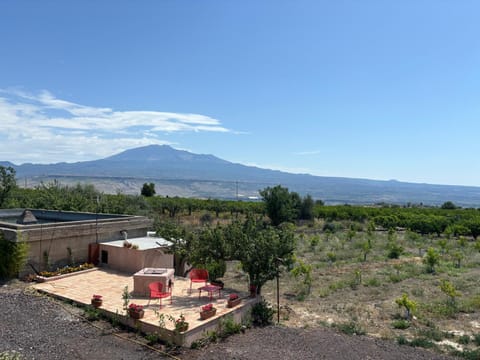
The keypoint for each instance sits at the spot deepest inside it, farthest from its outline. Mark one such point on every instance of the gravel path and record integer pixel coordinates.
(41, 328)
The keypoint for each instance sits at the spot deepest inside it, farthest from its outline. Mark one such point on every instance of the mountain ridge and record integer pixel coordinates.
(191, 172)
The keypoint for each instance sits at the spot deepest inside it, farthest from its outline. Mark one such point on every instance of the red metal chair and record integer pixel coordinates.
(198, 276)
(156, 292)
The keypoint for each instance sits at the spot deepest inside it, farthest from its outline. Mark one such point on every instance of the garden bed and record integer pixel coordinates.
(82, 269)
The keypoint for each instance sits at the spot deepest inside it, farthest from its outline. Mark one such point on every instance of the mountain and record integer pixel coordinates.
(178, 172)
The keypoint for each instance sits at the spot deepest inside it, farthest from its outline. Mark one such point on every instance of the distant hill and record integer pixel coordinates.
(181, 173)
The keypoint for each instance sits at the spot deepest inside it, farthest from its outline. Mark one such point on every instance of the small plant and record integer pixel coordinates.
(422, 342)
(91, 314)
(350, 328)
(464, 340)
(332, 257)
(207, 307)
(233, 296)
(262, 313)
(152, 338)
(476, 339)
(135, 247)
(408, 304)
(394, 250)
(135, 307)
(228, 327)
(180, 324)
(126, 298)
(401, 324)
(449, 289)
(402, 340)
(11, 355)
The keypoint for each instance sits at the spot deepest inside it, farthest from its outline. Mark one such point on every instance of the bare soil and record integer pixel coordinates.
(37, 327)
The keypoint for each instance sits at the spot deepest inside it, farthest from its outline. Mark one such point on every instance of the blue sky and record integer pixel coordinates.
(367, 89)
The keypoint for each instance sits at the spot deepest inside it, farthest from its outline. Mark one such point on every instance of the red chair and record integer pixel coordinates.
(198, 276)
(156, 292)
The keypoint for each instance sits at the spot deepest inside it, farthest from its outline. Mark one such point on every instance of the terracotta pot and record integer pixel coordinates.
(207, 314)
(232, 303)
(136, 314)
(182, 328)
(96, 303)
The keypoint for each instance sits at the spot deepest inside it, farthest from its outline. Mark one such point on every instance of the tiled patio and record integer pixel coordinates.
(110, 284)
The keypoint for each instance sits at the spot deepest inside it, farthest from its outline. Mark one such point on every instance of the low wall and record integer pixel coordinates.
(56, 244)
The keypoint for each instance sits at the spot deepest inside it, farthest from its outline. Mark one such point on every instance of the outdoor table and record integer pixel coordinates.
(210, 289)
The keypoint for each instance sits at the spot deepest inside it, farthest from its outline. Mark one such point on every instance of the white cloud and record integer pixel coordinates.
(43, 128)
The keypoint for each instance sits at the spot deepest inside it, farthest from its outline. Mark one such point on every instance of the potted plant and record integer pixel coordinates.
(180, 324)
(135, 311)
(207, 311)
(233, 300)
(96, 301)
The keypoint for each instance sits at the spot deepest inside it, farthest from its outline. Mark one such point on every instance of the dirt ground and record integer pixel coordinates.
(37, 327)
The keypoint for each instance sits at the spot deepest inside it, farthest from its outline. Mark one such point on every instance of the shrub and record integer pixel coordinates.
(351, 328)
(422, 342)
(13, 256)
(394, 250)
(476, 339)
(401, 324)
(10, 355)
(228, 327)
(464, 340)
(262, 313)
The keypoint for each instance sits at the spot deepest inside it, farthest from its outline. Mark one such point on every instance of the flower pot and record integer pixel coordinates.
(232, 303)
(96, 303)
(207, 314)
(136, 314)
(182, 328)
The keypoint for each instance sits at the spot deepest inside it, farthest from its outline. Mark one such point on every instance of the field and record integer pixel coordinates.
(345, 283)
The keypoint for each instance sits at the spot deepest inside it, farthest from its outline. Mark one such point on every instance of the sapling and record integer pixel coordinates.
(431, 259)
(449, 289)
(408, 304)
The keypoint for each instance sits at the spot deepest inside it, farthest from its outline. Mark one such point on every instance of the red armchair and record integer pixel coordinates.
(156, 292)
(198, 276)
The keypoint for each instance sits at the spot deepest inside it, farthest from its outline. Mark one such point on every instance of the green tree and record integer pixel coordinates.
(7, 182)
(431, 258)
(259, 248)
(181, 243)
(148, 190)
(306, 209)
(448, 205)
(281, 205)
